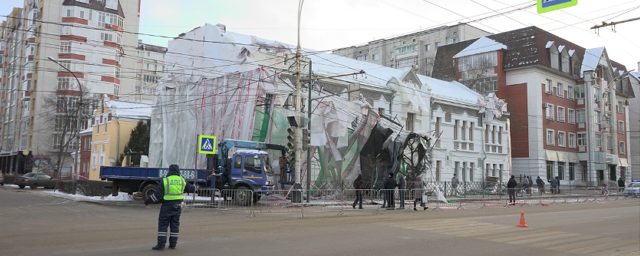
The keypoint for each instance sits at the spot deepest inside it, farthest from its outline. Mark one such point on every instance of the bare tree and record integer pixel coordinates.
(64, 108)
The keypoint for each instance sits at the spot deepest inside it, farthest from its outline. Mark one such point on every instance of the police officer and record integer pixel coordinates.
(170, 193)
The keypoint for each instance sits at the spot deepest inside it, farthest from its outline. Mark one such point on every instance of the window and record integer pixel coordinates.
(408, 62)
(64, 65)
(560, 170)
(572, 171)
(411, 118)
(582, 139)
(581, 118)
(427, 47)
(547, 86)
(580, 91)
(451, 40)
(67, 30)
(562, 140)
(560, 90)
(237, 163)
(551, 137)
(596, 93)
(437, 44)
(106, 37)
(571, 114)
(405, 49)
(471, 131)
(597, 116)
(610, 143)
(620, 126)
(102, 20)
(90, 14)
(570, 92)
(82, 14)
(375, 56)
(463, 133)
(93, 161)
(598, 140)
(621, 148)
(252, 164)
(549, 111)
(69, 13)
(572, 140)
(620, 107)
(553, 52)
(550, 170)
(499, 135)
(560, 114)
(455, 129)
(362, 58)
(112, 4)
(105, 123)
(64, 83)
(65, 47)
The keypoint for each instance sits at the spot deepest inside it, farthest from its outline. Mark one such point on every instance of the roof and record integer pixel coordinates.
(524, 47)
(481, 45)
(450, 90)
(591, 59)
(132, 110)
(96, 5)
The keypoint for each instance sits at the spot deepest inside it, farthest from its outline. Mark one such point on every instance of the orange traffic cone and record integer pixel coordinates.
(522, 223)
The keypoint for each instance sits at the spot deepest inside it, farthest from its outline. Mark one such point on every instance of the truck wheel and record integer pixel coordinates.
(242, 196)
(148, 190)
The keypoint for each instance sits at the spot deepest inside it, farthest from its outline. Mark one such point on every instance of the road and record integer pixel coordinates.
(37, 224)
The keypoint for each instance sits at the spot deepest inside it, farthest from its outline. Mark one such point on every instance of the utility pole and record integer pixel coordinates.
(297, 104)
(74, 177)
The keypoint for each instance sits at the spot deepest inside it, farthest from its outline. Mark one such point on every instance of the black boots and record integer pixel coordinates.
(158, 247)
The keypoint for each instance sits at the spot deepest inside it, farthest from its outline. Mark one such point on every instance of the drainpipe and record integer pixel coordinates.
(588, 101)
(118, 140)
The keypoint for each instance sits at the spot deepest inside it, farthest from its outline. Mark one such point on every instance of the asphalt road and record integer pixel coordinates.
(33, 223)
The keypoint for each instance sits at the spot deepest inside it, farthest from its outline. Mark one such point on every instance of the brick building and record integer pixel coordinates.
(568, 105)
(87, 37)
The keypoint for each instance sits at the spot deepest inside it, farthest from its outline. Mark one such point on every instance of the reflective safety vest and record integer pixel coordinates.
(174, 187)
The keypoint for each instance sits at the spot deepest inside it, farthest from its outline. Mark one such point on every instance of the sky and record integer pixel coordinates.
(331, 24)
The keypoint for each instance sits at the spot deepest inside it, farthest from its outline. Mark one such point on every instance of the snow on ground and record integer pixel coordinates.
(121, 197)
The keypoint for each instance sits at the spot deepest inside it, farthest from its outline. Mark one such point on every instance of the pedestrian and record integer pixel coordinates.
(171, 193)
(389, 187)
(540, 185)
(526, 184)
(558, 185)
(357, 185)
(620, 184)
(454, 185)
(554, 186)
(511, 188)
(402, 187)
(418, 192)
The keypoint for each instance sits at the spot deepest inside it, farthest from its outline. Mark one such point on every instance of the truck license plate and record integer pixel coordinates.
(184, 174)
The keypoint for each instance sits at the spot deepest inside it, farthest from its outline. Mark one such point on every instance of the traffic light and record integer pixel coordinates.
(291, 138)
(306, 139)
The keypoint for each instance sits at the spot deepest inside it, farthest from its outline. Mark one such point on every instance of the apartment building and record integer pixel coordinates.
(416, 50)
(149, 68)
(88, 37)
(569, 105)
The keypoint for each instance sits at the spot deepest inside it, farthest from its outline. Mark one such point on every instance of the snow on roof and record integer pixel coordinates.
(571, 52)
(88, 130)
(125, 109)
(591, 59)
(549, 44)
(450, 90)
(482, 45)
(560, 48)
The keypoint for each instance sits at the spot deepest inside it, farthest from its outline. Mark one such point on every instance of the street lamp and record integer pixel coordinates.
(78, 108)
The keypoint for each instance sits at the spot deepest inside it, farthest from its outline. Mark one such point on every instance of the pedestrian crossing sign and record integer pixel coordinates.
(552, 5)
(206, 144)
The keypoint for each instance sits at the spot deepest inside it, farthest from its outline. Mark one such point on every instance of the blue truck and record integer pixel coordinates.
(246, 172)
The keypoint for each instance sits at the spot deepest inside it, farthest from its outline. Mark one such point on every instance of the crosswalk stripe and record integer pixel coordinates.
(633, 247)
(612, 243)
(523, 234)
(488, 231)
(534, 241)
(578, 244)
(564, 241)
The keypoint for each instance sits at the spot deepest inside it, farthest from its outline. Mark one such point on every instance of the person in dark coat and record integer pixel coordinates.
(511, 188)
(402, 187)
(389, 187)
(418, 191)
(620, 184)
(171, 193)
(357, 185)
(540, 185)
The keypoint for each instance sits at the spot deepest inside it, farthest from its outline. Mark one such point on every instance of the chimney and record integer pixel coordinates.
(222, 27)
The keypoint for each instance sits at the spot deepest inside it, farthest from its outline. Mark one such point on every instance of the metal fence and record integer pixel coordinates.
(436, 196)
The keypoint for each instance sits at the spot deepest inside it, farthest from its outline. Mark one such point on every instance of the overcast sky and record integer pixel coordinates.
(330, 24)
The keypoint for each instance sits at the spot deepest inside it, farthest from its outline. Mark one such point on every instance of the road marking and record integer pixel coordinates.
(522, 236)
(616, 242)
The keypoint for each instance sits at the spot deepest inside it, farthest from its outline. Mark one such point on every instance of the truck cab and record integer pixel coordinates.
(252, 168)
